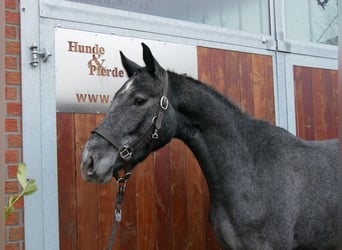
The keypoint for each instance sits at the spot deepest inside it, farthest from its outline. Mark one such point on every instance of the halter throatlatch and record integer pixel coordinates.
(126, 151)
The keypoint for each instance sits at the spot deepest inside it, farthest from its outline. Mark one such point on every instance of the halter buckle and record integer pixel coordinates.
(126, 152)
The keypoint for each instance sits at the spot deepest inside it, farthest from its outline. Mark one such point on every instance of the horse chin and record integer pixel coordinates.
(106, 178)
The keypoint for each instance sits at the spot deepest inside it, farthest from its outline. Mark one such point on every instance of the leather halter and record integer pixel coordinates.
(126, 151)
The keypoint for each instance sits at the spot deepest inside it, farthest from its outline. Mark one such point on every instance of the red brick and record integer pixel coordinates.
(13, 77)
(11, 125)
(11, 156)
(19, 204)
(12, 171)
(12, 246)
(10, 93)
(11, 62)
(10, 4)
(13, 108)
(13, 219)
(14, 140)
(16, 233)
(12, 17)
(11, 187)
(11, 32)
(12, 47)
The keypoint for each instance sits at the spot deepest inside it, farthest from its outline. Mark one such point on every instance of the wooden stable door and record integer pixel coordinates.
(166, 201)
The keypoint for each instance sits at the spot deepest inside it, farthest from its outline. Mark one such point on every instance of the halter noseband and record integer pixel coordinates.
(126, 150)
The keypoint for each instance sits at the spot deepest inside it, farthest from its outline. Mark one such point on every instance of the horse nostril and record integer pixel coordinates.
(91, 168)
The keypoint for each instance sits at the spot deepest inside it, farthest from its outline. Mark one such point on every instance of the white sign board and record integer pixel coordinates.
(89, 70)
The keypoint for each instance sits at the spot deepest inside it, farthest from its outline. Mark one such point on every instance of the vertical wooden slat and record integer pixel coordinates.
(331, 88)
(66, 178)
(204, 56)
(263, 91)
(269, 113)
(307, 102)
(219, 70)
(128, 225)
(179, 196)
(297, 73)
(258, 85)
(146, 208)
(87, 195)
(319, 104)
(195, 201)
(233, 77)
(163, 198)
(246, 87)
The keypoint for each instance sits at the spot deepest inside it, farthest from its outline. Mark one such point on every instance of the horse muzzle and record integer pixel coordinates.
(98, 169)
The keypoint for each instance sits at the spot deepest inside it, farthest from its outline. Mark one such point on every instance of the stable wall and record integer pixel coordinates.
(14, 229)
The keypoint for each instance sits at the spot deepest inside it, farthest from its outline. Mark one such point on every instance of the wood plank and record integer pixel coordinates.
(163, 198)
(179, 197)
(204, 55)
(269, 114)
(195, 201)
(128, 225)
(319, 103)
(66, 181)
(299, 106)
(233, 77)
(219, 70)
(246, 88)
(331, 92)
(87, 195)
(308, 104)
(258, 85)
(146, 205)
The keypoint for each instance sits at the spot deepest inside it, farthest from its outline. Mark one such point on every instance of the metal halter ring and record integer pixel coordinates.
(164, 102)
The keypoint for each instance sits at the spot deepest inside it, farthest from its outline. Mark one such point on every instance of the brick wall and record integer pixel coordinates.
(14, 231)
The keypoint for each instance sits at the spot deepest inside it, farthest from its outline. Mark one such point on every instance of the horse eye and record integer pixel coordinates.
(138, 101)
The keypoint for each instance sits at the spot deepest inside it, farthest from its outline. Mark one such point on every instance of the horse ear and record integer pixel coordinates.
(130, 66)
(152, 65)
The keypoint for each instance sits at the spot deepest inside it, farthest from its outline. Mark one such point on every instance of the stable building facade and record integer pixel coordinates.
(60, 68)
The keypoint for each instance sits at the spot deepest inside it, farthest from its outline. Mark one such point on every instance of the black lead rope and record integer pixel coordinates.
(121, 186)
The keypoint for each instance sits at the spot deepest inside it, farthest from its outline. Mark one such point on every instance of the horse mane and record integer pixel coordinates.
(211, 90)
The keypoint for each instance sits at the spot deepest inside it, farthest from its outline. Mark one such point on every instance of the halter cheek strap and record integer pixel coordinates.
(126, 151)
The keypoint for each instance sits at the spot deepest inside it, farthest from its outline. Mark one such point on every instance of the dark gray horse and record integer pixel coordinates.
(268, 189)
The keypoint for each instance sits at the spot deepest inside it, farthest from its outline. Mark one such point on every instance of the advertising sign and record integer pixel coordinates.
(89, 70)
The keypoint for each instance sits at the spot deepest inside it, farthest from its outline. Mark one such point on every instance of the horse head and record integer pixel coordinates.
(139, 120)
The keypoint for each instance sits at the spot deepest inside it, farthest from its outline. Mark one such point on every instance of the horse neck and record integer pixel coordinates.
(212, 127)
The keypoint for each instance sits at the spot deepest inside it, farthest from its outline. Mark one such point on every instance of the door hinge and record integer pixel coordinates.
(36, 54)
